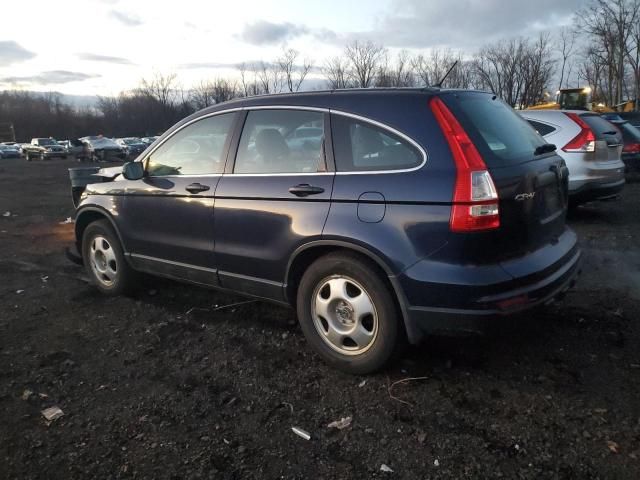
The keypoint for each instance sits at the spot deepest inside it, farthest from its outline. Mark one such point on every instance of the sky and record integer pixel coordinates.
(102, 47)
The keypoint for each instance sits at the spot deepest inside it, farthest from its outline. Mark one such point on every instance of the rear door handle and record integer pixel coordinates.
(304, 190)
(196, 188)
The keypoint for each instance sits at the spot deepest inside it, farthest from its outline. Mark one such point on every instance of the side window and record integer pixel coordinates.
(281, 141)
(362, 146)
(195, 150)
(542, 128)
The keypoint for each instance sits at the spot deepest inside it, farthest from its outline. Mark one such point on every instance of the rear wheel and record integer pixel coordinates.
(104, 259)
(348, 314)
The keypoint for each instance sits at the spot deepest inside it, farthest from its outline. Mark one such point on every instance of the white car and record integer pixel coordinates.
(590, 146)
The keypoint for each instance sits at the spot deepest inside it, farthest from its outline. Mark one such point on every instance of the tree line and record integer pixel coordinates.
(600, 49)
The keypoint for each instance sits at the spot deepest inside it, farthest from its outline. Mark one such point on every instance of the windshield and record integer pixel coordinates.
(574, 100)
(501, 135)
(47, 141)
(132, 141)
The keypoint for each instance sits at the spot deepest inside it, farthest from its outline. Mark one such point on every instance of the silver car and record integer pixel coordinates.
(590, 146)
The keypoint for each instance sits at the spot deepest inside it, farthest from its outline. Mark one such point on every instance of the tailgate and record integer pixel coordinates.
(532, 187)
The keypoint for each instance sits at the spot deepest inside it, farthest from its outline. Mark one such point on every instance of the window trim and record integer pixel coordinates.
(329, 159)
(392, 130)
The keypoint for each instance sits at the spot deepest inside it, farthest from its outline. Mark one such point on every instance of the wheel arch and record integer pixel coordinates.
(308, 253)
(88, 215)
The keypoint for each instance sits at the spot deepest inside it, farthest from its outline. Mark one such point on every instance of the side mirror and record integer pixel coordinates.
(133, 170)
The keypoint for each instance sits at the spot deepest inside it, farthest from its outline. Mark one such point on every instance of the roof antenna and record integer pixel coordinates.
(439, 84)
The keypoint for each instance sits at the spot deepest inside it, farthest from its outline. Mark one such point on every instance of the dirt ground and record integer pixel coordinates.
(166, 386)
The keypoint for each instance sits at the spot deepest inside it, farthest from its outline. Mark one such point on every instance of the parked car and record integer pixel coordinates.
(10, 151)
(47, 147)
(133, 146)
(632, 117)
(631, 147)
(591, 147)
(421, 211)
(103, 149)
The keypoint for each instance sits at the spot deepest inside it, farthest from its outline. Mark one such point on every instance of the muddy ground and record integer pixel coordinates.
(166, 386)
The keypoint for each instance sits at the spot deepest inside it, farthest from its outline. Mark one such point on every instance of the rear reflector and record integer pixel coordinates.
(475, 199)
(585, 141)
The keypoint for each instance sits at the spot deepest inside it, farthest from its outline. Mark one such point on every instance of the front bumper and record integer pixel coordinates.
(52, 154)
(469, 297)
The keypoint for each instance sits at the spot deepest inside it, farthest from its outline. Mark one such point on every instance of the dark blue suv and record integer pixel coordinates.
(379, 215)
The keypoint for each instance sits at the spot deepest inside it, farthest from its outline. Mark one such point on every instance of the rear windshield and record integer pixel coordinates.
(502, 137)
(630, 134)
(601, 127)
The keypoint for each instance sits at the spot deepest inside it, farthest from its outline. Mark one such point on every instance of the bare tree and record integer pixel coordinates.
(395, 73)
(566, 43)
(364, 60)
(516, 70)
(335, 72)
(211, 92)
(293, 74)
(161, 87)
(609, 25)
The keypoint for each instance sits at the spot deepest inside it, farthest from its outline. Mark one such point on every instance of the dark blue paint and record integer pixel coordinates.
(245, 231)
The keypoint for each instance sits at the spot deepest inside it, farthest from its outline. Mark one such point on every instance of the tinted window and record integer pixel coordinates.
(601, 127)
(630, 134)
(361, 146)
(195, 150)
(542, 128)
(501, 135)
(281, 141)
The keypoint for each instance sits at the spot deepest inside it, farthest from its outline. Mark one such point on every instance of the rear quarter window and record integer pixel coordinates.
(501, 136)
(362, 146)
(542, 128)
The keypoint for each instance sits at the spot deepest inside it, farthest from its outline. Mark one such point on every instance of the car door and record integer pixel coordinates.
(273, 198)
(168, 214)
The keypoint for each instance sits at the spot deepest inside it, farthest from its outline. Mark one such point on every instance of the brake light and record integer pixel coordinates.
(585, 141)
(475, 199)
(631, 148)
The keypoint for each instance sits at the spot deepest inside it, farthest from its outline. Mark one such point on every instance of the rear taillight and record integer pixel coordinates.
(585, 141)
(475, 199)
(631, 148)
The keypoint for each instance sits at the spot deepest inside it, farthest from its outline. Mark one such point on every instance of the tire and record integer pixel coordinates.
(104, 260)
(361, 329)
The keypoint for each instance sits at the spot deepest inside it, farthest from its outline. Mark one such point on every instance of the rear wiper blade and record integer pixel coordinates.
(545, 148)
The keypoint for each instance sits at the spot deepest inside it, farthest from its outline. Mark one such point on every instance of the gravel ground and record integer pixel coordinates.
(171, 385)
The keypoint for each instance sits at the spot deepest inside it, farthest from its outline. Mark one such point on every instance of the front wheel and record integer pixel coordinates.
(348, 314)
(104, 259)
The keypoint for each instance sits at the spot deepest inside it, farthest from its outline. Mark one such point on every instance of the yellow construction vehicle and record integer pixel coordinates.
(573, 99)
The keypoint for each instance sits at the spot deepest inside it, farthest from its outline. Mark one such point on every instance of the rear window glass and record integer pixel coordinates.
(630, 134)
(362, 146)
(501, 135)
(601, 127)
(542, 128)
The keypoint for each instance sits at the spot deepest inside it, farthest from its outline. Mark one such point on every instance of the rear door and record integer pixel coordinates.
(274, 198)
(532, 186)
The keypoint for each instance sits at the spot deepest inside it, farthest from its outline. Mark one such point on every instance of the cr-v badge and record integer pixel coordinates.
(525, 196)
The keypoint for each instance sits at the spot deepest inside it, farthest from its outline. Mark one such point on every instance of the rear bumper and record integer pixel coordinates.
(468, 303)
(596, 191)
